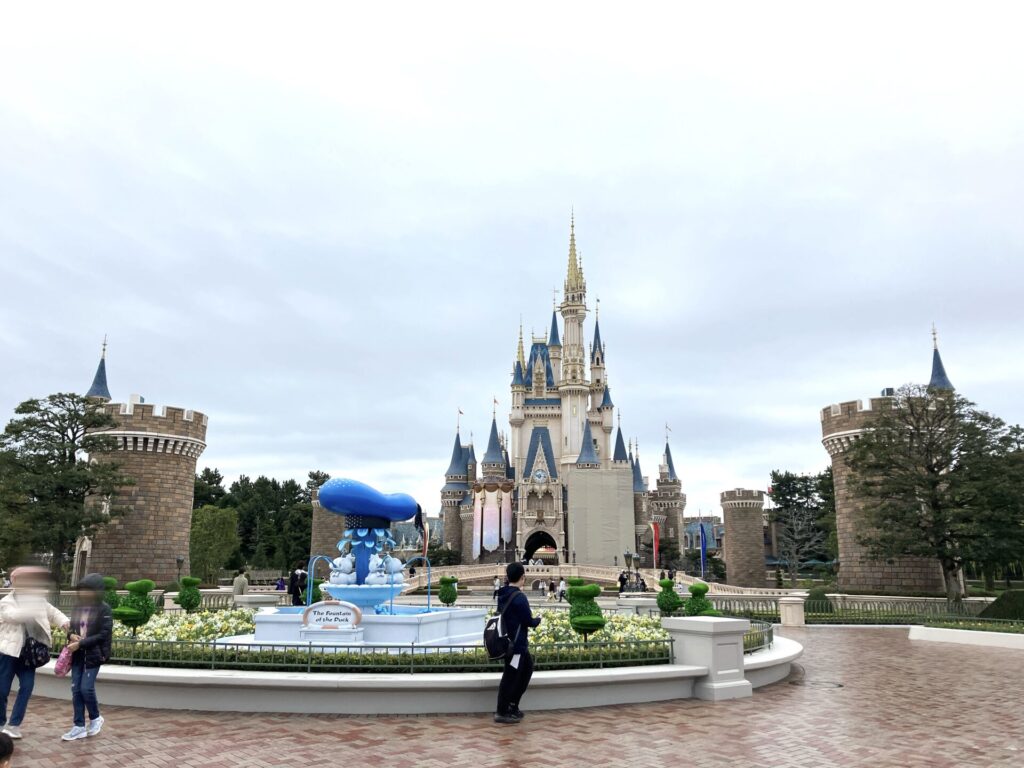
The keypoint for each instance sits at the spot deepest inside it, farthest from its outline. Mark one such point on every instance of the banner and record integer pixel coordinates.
(654, 531)
(492, 521)
(703, 549)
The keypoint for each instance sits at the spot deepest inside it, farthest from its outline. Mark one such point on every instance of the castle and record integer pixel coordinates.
(157, 446)
(559, 485)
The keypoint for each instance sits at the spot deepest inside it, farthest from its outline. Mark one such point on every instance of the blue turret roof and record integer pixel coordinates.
(587, 455)
(598, 347)
(553, 340)
(638, 477)
(493, 455)
(539, 349)
(540, 441)
(620, 448)
(668, 462)
(939, 378)
(517, 376)
(457, 466)
(99, 382)
(606, 401)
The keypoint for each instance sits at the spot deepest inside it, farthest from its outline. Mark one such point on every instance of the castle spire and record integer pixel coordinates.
(553, 339)
(597, 348)
(99, 388)
(638, 476)
(457, 466)
(587, 456)
(620, 448)
(669, 463)
(574, 274)
(520, 358)
(493, 454)
(939, 381)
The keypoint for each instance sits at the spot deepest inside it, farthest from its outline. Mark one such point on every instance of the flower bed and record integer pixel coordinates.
(620, 628)
(978, 625)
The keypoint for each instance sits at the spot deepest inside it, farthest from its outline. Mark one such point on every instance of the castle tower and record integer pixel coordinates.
(668, 500)
(455, 489)
(487, 522)
(841, 425)
(743, 542)
(642, 512)
(99, 388)
(573, 387)
(157, 447)
(555, 348)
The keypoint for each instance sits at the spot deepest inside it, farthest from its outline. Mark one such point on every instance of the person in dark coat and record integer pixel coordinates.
(517, 620)
(90, 638)
(297, 582)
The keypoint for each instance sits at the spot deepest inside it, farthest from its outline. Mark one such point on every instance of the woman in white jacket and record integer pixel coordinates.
(23, 612)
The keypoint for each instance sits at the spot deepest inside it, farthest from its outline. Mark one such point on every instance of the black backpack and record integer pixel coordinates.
(496, 639)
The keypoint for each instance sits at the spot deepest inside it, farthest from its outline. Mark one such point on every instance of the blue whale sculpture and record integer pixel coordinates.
(368, 516)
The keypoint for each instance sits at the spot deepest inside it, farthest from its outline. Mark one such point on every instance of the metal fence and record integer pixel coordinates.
(378, 659)
(885, 612)
(761, 635)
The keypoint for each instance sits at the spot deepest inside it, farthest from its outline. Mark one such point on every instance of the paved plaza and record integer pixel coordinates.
(860, 697)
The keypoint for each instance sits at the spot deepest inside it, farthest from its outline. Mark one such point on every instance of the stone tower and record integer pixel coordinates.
(743, 542)
(841, 425)
(327, 530)
(667, 500)
(157, 446)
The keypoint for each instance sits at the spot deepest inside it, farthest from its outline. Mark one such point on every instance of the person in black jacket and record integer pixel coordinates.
(90, 636)
(517, 621)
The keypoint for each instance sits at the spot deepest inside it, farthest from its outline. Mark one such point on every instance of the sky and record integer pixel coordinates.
(320, 224)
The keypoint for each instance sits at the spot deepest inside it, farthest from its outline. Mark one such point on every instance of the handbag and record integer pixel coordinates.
(63, 665)
(33, 653)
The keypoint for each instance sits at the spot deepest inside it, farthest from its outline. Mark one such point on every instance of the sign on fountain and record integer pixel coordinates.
(332, 621)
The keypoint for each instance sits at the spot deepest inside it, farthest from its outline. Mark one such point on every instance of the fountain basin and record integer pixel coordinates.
(409, 624)
(366, 596)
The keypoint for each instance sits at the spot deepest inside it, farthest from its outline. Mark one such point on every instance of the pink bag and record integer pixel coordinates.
(63, 665)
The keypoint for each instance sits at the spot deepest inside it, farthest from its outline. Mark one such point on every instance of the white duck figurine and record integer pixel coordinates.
(377, 576)
(343, 570)
(395, 570)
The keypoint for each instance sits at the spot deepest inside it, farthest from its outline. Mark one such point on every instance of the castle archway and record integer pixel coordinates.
(540, 540)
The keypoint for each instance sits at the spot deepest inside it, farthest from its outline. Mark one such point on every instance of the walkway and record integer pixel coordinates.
(865, 697)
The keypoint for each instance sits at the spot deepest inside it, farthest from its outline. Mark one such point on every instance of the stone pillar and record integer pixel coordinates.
(743, 541)
(716, 643)
(841, 425)
(791, 609)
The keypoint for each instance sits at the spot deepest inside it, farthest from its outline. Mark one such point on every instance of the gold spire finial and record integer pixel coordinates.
(935, 337)
(574, 276)
(519, 350)
(103, 354)
(597, 309)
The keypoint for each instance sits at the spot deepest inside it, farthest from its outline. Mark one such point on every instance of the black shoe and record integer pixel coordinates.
(517, 713)
(505, 719)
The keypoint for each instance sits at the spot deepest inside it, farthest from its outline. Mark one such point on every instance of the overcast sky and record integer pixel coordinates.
(320, 226)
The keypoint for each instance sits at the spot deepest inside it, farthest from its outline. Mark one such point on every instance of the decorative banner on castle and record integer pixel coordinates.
(492, 521)
(703, 549)
(477, 524)
(332, 614)
(657, 542)
(506, 516)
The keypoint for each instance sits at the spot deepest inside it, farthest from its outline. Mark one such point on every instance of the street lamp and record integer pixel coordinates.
(181, 561)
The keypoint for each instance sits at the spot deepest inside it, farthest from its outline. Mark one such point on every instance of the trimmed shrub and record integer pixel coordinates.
(110, 596)
(585, 615)
(189, 597)
(136, 609)
(697, 604)
(817, 599)
(1009, 605)
(448, 593)
(668, 599)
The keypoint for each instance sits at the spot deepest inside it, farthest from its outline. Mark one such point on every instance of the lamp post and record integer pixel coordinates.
(181, 561)
(627, 558)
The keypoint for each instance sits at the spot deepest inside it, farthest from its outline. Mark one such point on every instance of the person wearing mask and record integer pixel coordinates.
(90, 637)
(517, 621)
(24, 613)
(241, 584)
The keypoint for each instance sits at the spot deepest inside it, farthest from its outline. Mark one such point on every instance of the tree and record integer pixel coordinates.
(801, 520)
(937, 477)
(213, 539)
(209, 488)
(47, 476)
(316, 478)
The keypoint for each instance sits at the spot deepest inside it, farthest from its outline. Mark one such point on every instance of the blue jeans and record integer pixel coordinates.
(83, 692)
(10, 668)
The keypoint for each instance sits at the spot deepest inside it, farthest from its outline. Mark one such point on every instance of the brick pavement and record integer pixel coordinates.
(902, 703)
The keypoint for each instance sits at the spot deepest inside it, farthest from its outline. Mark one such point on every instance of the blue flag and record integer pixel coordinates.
(703, 549)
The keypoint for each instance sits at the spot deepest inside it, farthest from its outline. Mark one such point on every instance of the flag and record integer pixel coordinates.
(461, 413)
(703, 549)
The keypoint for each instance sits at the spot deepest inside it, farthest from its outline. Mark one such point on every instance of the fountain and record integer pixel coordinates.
(364, 581)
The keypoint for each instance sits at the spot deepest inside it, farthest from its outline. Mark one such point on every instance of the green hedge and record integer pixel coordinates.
(1009, 605)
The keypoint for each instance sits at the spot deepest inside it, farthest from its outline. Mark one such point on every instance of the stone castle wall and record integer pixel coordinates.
(327, 530)
(157, 447)
(743, 541)
(841, 424)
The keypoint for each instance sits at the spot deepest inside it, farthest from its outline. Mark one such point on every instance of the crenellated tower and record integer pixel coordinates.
(667, 500)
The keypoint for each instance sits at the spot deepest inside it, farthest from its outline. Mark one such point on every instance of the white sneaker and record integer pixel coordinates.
(78, 732)
(13, 731)
(95, 726)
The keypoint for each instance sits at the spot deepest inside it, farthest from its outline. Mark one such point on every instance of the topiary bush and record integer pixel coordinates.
(668, 599)
(1009, 605)
(819, 597)
(697, 604)
(110, 596)
(585, 615)
(448, 594)
(189, 597)
(136, 609)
